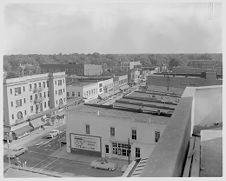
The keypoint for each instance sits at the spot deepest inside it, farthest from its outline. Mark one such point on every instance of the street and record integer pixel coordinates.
(40, 155)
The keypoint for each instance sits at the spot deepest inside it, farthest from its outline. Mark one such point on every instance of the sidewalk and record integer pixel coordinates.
(22, 142)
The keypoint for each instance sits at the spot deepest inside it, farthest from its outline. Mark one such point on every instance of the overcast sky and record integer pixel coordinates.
(113, 28)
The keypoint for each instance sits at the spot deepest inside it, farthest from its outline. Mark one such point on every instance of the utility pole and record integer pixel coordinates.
(8, 143)
(129, 151)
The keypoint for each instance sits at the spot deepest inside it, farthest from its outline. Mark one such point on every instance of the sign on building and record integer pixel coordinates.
(83, 142)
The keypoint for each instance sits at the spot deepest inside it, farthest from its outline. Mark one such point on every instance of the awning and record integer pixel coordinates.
(124, 87)
(19, 132)
(37, 123)
(103, 96)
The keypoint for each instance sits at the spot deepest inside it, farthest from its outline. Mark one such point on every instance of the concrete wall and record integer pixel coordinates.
(100, 126)
(208, 105)
(167, 159)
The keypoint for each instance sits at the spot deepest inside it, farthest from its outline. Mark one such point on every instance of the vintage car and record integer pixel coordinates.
(53, 133)
(103, 163)
(13, 153)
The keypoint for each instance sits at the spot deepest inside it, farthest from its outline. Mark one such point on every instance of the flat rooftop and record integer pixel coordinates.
(80, 84)
(118, 114)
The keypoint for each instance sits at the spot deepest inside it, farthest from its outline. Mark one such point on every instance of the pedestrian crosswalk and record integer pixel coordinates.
(139, 167)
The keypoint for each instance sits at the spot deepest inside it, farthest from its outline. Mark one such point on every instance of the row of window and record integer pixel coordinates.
(60, 91)
(36, 107)
(133, 133)
(40, 84)
(122, 149)
(60, 82)
(18, 90)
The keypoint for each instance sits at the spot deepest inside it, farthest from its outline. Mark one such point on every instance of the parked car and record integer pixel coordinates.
(16, 152)
(103, 163)
(53, 133)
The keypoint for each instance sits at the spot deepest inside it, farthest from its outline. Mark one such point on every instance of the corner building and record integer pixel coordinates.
(25, 97)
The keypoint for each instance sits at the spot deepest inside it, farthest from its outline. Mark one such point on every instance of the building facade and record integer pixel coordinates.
(134, 76)
(126, 66)
(72, 68)
(112, 133)
(27, 96)
(86, 90)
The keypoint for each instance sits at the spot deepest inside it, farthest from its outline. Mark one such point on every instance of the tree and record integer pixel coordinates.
(174, 63)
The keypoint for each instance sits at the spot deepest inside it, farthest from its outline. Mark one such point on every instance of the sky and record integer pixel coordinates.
(112, 28)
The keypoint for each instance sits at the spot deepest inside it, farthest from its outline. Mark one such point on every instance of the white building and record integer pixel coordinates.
(111, 133)
(27, 96)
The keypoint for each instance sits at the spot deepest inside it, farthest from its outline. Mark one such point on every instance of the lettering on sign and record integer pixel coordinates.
(85, 142)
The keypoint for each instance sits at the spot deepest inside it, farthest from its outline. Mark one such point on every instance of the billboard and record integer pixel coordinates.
(85, 142)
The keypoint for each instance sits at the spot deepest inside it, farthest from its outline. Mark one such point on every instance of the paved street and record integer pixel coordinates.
(40, 155)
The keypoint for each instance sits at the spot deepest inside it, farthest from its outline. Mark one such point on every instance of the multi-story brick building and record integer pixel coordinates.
(72, 68)
(27, 96)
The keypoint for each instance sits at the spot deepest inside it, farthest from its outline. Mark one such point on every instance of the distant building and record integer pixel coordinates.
(126, 66)
(90, 88)
(205, 64)
(177, 83)
(134, 76)
(71, 69)
(24, 97)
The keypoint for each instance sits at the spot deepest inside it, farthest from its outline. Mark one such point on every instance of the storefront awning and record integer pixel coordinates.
(103, 96)
(19, 132)
(37, 123)
(124, 87)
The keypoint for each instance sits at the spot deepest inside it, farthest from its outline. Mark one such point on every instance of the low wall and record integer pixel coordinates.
(168, 157)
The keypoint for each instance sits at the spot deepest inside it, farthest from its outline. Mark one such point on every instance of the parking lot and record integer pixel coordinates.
(48, 154)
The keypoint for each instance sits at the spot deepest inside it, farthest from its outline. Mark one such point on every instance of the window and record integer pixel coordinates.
(87, 129)
(157, 136)
(44, 84)
(106, 148)
(40, 94)
(112, 131)
(78, 94)
(121, 149)
(31, 97)
(12, 116)
(48, 93)
(137, 152)
(60, 92)
(11, 104)
(35, 85)
(59, 82)
(11, 91)
(63, 90)
(31, 108)
(44, 94)
(44, 104)
(63, 80)
(19, 103)
(64, 99)
(73, 93)
(47, 83)
(17, 91)
(36, 96)
(134, 134)
(40, 84)
(55, 82)
(24, 100)
(55, 92)
(48, 103)
(25, 112)
(19, 115)
(67, 94)
(56, 101)
(30, 85)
